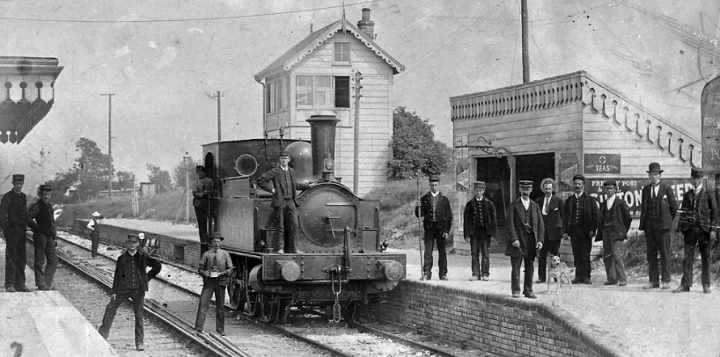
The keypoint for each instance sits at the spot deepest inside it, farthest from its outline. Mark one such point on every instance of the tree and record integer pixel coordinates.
(160, 178)
(179, 171)
(125, 179)
(414, 147)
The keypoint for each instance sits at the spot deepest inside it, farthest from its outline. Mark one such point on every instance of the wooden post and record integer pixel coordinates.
(356, 165)
(525, 55)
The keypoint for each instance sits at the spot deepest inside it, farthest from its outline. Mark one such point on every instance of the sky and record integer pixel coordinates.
(165, 60)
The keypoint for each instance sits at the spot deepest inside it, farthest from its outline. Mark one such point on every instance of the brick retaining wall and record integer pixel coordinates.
(499, 325)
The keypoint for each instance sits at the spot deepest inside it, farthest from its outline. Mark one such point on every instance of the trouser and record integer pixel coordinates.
(695, 236)
(286, 214)
(613, 257)
(15, 258)
(431, 235)
(44, 250)
(551, 247)
(138, 299)
(211, 286)
(479, 243)
(516, 263)
(95, 243)
(658, 241)
(201, 214)
(581, 246)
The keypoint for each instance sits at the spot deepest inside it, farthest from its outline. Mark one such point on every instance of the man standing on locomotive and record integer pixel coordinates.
(202, 191)
(435, 209)
(215, 267)
(280, 181)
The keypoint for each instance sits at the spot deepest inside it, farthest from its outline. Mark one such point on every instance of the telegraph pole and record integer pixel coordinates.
(218, 96)
(110, 175)
(356, 165)
(525, 55)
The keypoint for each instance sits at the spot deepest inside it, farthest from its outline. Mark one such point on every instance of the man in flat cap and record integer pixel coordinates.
(659, 207)
(526, 233)
(479, 227)
(615, 222)
(202, 192)
(215, 268)
(130, 283)
(280, 181)
(13, 221)
(552, 210)
(697, 221)
(42, 222)
(580, 223)
(434, 209)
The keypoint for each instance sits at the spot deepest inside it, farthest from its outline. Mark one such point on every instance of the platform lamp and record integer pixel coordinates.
(187, 160)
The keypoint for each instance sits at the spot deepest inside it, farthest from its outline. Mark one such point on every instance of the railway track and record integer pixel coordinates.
(174, 296)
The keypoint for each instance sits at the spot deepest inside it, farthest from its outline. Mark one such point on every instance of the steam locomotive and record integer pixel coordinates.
(343, 265)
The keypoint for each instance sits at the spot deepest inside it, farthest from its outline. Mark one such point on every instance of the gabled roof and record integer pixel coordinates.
(305, 47)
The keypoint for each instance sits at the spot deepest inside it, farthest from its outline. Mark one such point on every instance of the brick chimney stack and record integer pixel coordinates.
(366, 25)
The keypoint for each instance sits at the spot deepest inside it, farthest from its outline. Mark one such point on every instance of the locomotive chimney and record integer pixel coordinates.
(366, 25)
(322, 134)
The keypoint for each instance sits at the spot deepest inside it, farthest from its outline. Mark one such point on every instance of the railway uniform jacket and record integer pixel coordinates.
(667, 207)
(619, 215)
(199, 191)
(122, 269)
(516, 225)
(555, 213)
(489, 217)
(13, 210)
(707, 212)
(271, 179)
(589, 212)
(443, 213)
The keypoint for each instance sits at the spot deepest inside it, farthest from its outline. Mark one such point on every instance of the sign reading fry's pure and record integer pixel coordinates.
(602, 163)
(710, 116)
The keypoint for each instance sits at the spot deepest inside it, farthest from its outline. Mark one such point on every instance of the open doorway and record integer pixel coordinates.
(535, 167)
(495, 172)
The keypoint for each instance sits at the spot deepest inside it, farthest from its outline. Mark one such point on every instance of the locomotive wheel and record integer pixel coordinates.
(236, 290)
(253, 306)
(270, 308)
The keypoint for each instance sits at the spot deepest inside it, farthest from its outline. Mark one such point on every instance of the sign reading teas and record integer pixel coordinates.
(710, 114)
(602, 163)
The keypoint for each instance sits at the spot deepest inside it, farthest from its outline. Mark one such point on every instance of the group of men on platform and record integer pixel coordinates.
(535, 229)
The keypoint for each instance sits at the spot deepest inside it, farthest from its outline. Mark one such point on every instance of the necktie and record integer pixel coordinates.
(545, 206)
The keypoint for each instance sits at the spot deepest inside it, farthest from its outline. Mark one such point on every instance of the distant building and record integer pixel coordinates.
(316, 76)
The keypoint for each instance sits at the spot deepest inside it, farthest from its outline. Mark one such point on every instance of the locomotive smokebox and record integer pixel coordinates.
(322, 133)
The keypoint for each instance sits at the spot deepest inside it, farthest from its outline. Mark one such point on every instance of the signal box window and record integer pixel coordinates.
(342, 53)
(323, 91)
(277, 95)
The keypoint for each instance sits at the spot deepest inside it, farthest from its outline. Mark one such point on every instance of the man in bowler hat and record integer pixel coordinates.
(659, 208)
(479, 227)
(615, 222)
(526, 232)
(580, 223)
(13, 221)
(280, 181)
(202, 191)
(130, 283)
(434, 209)
(551, 208)
(698, 220)
(42, 222)
(215, 268)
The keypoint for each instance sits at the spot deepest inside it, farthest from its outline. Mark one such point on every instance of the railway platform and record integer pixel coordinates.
(44, 323)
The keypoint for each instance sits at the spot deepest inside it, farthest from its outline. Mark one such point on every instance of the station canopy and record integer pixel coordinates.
(27, 94)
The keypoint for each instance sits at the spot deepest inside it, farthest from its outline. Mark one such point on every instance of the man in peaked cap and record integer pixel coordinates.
(280, 181)
(615, 221)
(699, 215)
(526, 233)
(552, 211)
(580, 225)
(479, 227)
(13, 221)
(202, 191)
(434, 209)
(659, 207)
(42, 222)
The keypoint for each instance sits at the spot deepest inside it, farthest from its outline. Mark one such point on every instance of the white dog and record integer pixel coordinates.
(559, 271)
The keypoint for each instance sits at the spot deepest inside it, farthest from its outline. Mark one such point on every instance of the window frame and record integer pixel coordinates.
(335, 53)
(311, 93)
